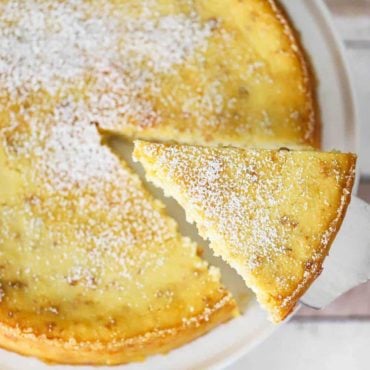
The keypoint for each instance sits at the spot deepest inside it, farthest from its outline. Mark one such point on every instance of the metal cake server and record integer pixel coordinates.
(348, 263)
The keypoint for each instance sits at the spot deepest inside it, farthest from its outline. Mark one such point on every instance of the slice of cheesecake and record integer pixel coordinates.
(271, 214)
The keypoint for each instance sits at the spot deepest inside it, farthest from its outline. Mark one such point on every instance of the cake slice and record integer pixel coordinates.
(93, 271)
(271, 214)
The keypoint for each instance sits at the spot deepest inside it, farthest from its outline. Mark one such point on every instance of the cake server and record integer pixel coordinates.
(348, 263)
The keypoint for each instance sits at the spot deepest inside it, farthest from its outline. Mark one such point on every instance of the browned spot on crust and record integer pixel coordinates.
(51, 326)
(110, 324)
(200, 251)
(287, 221)
(243, 91)
(73, 282)
(16, 284)
(325, 169)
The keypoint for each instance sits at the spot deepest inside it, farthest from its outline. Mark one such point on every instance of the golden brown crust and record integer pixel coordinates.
(123, 351)
(315, 269)
(314, 139)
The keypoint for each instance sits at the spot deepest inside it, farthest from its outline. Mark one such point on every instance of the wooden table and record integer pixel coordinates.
(339, 336)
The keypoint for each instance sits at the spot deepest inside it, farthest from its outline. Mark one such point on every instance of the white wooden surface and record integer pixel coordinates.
(339, 336)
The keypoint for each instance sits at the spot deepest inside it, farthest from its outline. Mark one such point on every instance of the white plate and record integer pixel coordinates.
(228, 342)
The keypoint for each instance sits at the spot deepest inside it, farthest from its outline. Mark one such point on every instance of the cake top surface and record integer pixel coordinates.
(87, 254)
(157, 68)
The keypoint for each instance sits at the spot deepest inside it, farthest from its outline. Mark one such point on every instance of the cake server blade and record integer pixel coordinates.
(348, 263)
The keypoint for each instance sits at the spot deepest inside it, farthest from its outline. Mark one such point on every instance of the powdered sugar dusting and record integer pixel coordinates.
(118, 59)
(75, 156)
(80, 237)
(46, 44)
(69, 66)
(100, 219)
(270, 214)
(66, 69)
(220, 186)
(167, 41)
(108, 54)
